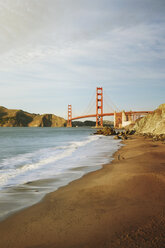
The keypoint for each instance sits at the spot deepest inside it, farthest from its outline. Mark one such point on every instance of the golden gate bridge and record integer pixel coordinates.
(121, 118)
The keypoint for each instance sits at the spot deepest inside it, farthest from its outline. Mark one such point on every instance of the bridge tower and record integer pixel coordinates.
(99, 106)
(69, 124)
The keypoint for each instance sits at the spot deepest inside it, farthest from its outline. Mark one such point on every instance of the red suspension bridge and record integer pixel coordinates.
(121, 118)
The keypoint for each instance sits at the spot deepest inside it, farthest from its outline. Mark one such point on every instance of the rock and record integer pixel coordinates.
(99, 132)
(116, 137)
(130, 132)
(162, 106)
(107, 131)
(151, 124)
(154, 137)
(124, 137)
(160, 137)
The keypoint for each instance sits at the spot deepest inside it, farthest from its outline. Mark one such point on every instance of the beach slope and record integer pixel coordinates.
(121, 205)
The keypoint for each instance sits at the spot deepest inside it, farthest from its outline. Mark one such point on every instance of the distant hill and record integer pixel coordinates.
(20, 118)
(90, 123)
(107, 123)
(153, 123)
(83, 123)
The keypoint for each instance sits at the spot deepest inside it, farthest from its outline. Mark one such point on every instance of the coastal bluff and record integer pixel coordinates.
(20, 118)
(153, 123)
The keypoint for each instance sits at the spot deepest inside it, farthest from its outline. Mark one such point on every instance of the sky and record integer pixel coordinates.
(56, 52)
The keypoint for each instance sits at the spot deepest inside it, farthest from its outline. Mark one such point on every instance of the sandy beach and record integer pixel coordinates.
(120, 205)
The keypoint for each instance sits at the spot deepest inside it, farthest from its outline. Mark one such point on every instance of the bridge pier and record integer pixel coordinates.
(127, 119)
(117, 120)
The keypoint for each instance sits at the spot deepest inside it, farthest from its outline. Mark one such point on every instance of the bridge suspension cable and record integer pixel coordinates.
(119, 117)
(109, 103)
(91, 105)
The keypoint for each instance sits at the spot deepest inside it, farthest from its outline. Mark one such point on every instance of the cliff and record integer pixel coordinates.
(153, 123)
(19, 118)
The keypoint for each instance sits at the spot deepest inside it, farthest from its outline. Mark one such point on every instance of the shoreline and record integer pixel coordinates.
(120, 205)
(37, 190)
(22, 196)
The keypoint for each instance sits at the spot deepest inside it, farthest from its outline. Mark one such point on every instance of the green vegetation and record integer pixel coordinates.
(90, 123)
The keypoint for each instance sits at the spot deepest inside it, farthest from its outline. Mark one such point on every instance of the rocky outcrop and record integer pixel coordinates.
(19, 118)
(153, 123)
(108, 131)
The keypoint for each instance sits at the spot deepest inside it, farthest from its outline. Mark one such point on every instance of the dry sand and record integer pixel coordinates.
(121, 205)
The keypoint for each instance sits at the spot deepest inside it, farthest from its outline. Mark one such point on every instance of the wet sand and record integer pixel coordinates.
(121, 205)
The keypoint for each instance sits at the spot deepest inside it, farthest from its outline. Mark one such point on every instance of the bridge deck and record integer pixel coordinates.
(111, 114)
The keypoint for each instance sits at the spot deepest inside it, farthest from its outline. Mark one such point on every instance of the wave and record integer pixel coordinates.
(18, 166)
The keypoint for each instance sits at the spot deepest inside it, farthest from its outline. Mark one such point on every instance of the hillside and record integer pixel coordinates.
(90, 123)
(20, 118)
(153, 123)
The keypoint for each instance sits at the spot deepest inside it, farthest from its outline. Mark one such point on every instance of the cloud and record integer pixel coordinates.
(33, 29)
(50, 45)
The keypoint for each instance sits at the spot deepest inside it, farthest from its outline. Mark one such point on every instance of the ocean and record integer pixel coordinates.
(35, 161)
